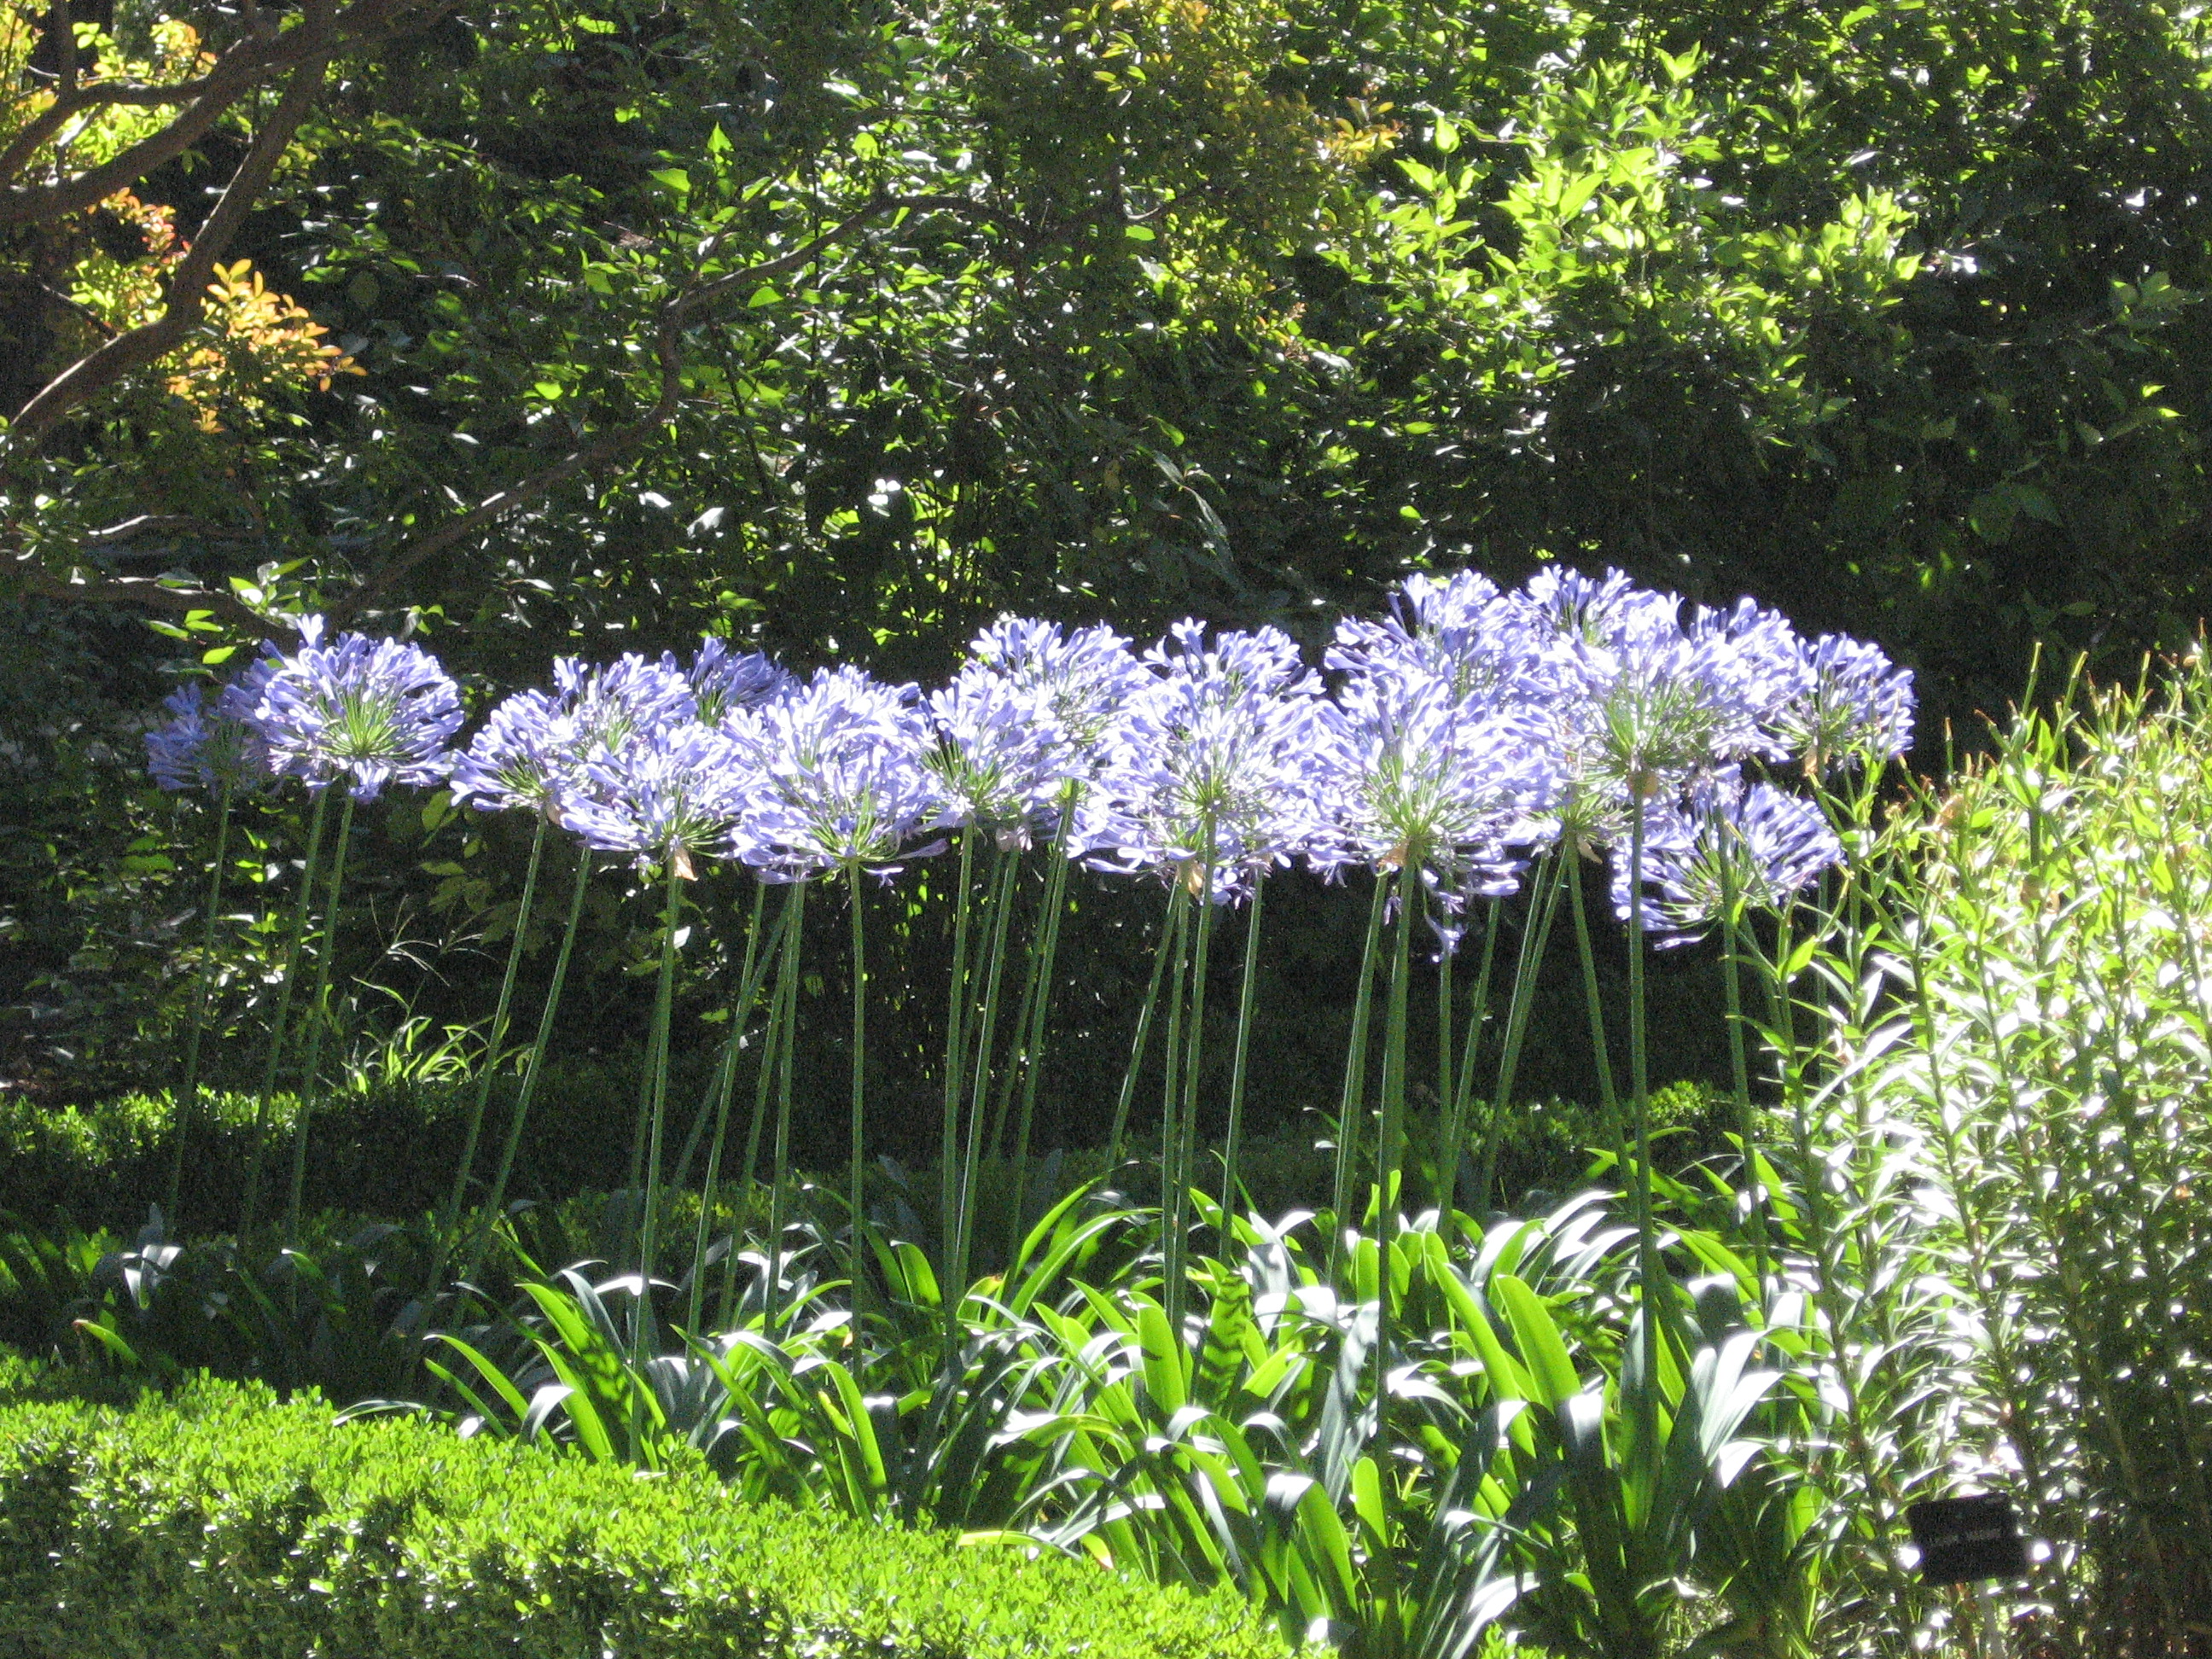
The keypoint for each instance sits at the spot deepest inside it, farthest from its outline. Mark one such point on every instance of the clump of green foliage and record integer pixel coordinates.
(219, 1520)
(2051, 955)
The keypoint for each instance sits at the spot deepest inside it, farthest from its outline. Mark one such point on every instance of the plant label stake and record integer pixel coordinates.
(1971, 1540)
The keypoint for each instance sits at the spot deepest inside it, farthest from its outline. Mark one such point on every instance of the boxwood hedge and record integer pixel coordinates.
(218, 1522)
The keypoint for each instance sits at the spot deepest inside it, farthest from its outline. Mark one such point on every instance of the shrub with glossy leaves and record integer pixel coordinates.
(222, 1522)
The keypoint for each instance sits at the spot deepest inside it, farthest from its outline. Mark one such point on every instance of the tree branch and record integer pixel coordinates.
(243, 65)
(78, 585)
(185, 298)
(146, 524)
(98, 95)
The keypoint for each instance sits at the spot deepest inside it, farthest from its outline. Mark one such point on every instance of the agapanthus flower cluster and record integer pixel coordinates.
(1085, 677)
(1646, 703)
(519, 757)
(371, 712)
(1467, 729)
(1000, 755)
(1853, 706)
(210, 745)
(631, 755)
(837, 777)
(1438, 748)
(1413, 776)
(1205, 775)
(672, 792)
(1730, 848)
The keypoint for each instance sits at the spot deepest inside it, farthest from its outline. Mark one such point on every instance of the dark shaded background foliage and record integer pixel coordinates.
(1887, 314)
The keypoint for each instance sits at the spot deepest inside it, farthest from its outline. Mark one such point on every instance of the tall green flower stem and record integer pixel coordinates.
(956, 1052)
(986, 1036)
(1183, 1161)
(711, 1099)
(1390, 1143)
(856, 1174)
(318, 1021)
(1171, 1099)
(772, 1036)
(1139, 1043)
(532, 1071)
(1609, 1093)
(1535, 937)
(188, 1092)
(1009, 1073)
(450, 1216)
(1445, 1009)
(284, 1015)
(1353, 1107)
(1461, 1093)
(1055, 905)
(1754, 1192)
(1657, 1319)
(780, 1054)
(1232, 1143)
(741, 1011)
(663, 1001)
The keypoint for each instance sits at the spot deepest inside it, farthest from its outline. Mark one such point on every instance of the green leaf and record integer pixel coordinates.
(1537, 1334)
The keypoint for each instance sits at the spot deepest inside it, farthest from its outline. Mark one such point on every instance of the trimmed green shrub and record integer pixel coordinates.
(389, 1151)
(219, 1522)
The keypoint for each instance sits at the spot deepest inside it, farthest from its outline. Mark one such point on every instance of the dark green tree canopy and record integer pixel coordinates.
(844, 325)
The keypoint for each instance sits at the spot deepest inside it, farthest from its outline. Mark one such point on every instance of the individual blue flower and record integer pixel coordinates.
(723, 681)
(217, 747)
(998, 755)
(1413, 774)
(371, 712)
(1208, 765)
(669, 793)
(838, 777)
(1755, 847)
(1856, 707)
(1083, 675)
(518, 755)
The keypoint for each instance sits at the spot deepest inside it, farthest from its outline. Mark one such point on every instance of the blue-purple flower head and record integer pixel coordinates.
(519, 757)
(1645, 704)
(1855, 707)
(724, 681)
(536, 749)
(608, 706)
(1410, 774)
(998, 755)
(216, 746)
(1208, 768)
(371, 712)
(668, 793)
(1084, 676)
(1462, 630)
(1731, 848)
(838, 777)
